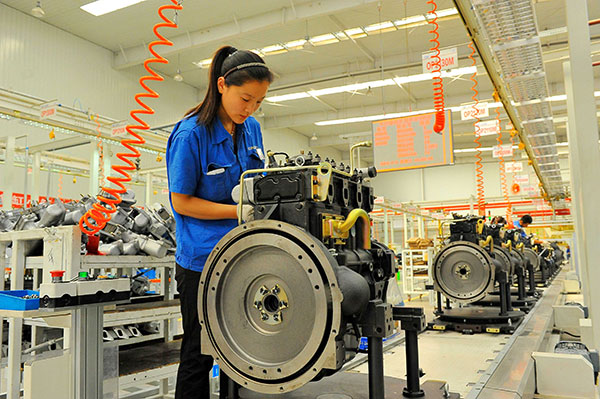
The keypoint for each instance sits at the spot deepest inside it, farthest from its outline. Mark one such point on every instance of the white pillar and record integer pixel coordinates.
(385, 227)
(36, 180)
(94, 170)
(148, 199)
(10, 172)
(584, 155)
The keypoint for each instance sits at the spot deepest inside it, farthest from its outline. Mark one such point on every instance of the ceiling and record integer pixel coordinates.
(255, 24)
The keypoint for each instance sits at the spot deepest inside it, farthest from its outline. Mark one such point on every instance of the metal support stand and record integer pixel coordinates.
(228, 389)
(531, 276)
(376, 382)
(440, 309)
(412, 321)
(88, 354)
(521, 283)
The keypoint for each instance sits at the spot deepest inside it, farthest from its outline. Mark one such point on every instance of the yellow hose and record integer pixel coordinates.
(351, 220)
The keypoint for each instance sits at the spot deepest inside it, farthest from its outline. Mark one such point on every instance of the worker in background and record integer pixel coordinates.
(498, 220)
(523, 222)
(206, 154)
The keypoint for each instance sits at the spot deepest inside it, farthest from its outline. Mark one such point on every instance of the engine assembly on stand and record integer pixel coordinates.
(466, 270)
(284, 299)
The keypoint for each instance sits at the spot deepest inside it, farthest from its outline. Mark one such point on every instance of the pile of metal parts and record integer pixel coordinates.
(285, 299)
(478, 265)
(131, 230)
(126, 332)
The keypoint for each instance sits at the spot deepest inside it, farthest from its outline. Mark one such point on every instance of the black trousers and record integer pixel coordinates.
(194, 369)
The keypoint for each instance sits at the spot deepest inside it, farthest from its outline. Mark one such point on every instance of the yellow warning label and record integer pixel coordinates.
(492, 330)
(438, 327)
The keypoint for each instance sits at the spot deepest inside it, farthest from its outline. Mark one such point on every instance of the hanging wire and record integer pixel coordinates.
(438, 84)
(95, 219)
(479, 165)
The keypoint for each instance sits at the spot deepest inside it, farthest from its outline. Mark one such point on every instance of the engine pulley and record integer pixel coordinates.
(269, 305)
(463, 271)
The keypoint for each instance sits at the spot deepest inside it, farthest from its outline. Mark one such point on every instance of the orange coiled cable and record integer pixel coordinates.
(503, 182)
(438, 85)
(95, 219)
(479, 167)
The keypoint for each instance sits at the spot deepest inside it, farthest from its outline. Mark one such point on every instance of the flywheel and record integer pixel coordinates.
(270, 306)
(463, 271)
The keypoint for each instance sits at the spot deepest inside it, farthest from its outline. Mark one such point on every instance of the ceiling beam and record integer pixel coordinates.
(56, 145)
(227, 31)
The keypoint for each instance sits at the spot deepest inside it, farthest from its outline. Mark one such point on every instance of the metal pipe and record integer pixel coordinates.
(351, 220)
(487, 241)
(355, 146)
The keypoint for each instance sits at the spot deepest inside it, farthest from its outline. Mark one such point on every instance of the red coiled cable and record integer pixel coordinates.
(438, 85)
(479, 165)
(503, 182)
(95, 219)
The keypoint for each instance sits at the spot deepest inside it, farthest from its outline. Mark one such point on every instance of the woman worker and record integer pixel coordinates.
(206, 153)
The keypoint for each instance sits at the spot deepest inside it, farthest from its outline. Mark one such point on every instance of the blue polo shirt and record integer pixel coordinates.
(202, 163)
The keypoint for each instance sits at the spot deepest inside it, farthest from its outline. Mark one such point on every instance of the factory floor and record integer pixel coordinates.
(450, 356)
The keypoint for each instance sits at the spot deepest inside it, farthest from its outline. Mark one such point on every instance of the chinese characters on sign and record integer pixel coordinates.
(410, 142)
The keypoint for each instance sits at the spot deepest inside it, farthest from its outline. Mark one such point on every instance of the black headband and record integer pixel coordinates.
(243, 66)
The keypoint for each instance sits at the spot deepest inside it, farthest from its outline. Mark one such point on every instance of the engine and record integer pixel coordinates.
(471, 262)
(284, 299)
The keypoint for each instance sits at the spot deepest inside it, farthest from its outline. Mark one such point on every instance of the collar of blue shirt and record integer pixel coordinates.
(220, 134)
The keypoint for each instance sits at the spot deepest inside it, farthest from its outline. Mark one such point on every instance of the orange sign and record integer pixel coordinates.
(410, 142)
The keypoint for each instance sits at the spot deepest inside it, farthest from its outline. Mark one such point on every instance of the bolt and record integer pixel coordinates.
(264, 316)
(258, 305)
(276, 290)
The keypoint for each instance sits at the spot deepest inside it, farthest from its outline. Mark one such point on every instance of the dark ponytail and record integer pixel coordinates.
(225, 63)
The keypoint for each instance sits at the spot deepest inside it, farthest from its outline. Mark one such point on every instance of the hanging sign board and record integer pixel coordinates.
(471, 111)
(424, 212)
(512, 167)
(118, 129)
(502, 151)
(48, 110)
(487, 128)
(410, 142)
(448, 60)
(521, 179)
(378, 200)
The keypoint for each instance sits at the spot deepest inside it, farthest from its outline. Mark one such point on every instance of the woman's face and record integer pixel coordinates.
(239, 102)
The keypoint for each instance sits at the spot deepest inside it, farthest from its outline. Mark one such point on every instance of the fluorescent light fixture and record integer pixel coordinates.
(410, 20)
(355, 33)
(273, 49)
(383, 26)
(286, 97)
(101, 7)
(295, 44)
(327, 38)
(447, 12)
